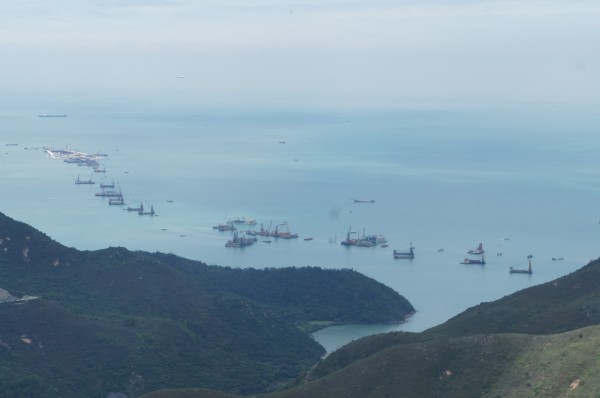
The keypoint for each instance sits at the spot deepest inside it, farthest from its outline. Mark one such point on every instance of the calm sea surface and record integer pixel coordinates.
(521, 181)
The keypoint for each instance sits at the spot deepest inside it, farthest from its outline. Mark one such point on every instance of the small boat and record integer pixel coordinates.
(364, 201)
(410, 254)
(385, 245)
(522, 271)
(474, 261)
(479, 250)
(51, 115)
(308, 238)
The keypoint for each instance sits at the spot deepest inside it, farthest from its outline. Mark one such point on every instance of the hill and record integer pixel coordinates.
(117, 320)
(539, 342)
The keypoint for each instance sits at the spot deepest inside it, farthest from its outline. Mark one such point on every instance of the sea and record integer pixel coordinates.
(522, 179)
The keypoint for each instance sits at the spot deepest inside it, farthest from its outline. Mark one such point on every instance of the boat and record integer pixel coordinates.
(226, 226)
(111, 185)
(283, 234)
(52, 115)
(364, 241)
(138, 209)
(364, 201)
(117, 201)
(141, 211)
(79, 181)
(522, 271)
(480, 261)
(239, 241)
(244, 220)
(479, 250)
(108, 194)
(261, 232)
(102, 170)
(410, 254)
(308, 238)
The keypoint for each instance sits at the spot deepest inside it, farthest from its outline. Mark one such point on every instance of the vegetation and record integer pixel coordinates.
(132, 322)
(539, 342)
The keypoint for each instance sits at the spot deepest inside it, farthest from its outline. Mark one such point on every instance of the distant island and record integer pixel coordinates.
(87, 323)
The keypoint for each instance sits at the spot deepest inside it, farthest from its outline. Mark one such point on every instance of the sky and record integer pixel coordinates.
(304, 51)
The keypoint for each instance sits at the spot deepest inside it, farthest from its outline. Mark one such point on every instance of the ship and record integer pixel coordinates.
(79, 181)
(283, 234)
(410, 254)
(245, 221)
(108, 194)
(364, 241)
(226, 226)
(117, 200)
(138, 209)
(522, 271)
(239, 241)
(141, 212)
(480, 261)
(111, 185)
(261, 232)
(478, 251)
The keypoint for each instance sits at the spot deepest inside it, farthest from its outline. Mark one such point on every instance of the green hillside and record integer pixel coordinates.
(116, 320)
(539, 342)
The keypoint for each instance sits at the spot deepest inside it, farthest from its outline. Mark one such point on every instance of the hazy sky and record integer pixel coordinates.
(304, 51)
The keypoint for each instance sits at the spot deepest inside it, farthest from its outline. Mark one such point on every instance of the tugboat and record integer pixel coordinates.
(410, 254)
(474, 261)
(239, 241)
(477, 251)
(522, 271)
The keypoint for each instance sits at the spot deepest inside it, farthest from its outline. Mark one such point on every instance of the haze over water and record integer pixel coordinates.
(521, 181)
(466, 122)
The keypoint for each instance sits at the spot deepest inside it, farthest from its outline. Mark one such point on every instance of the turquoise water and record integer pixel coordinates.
(521, 181)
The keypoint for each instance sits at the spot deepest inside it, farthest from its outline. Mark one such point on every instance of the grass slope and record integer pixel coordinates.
(490, 366)
(540, 342)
